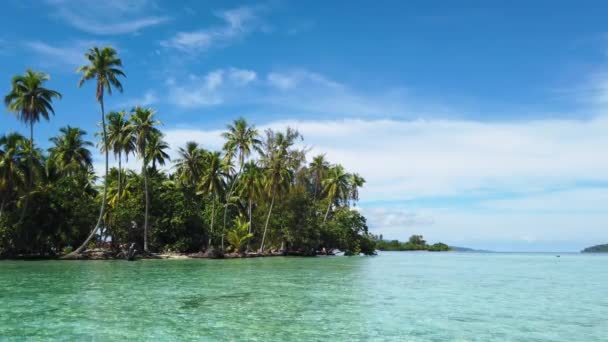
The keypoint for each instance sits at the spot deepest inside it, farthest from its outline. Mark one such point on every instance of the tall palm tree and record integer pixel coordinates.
(279, 162)
(143, 125)
(105, 68)
(250, 188)
(120, 141)
(70, 152)
(336, 186)
(190, 164)
(318, 169)
(13, 171)
(156, 150)
(213, 183)
(241, 140)
(30, 100)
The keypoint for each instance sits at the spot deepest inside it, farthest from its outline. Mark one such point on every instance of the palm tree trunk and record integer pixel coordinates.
(228, 198)
(250, 223)
(119, 173)
(145, 172)
(31, 155)
(266, 225)
(212, 219)
(327, 212)
(105, 190)
(31, 172)
(2, 205)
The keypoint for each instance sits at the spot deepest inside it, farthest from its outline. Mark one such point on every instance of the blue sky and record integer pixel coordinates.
(479, 123)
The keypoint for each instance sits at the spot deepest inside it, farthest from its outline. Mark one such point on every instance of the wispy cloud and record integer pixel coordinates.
(67, 55)
(300, 91)
(108, 17)
(236, 23)
(150, 97)
(404, 160)
(209, 90)
(384, 217)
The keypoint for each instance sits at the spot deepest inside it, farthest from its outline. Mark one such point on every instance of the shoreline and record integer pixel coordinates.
(108, 255)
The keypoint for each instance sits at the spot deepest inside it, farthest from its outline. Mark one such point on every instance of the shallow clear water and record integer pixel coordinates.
(395, 296)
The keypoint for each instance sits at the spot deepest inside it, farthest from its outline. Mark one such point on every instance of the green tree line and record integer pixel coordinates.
(258, 193)
(414, 243)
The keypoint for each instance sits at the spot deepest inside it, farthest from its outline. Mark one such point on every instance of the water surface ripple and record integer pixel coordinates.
(392, 297)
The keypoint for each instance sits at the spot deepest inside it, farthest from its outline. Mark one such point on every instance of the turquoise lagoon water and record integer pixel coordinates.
(391, 297)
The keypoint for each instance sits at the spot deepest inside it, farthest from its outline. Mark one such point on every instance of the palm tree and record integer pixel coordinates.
(30, 100)
(241, 139)
(105, 67)
(115, 178)
(12, 169)
(279, 161)
(143, 125)
(318, 169)
(250, 187)
(356, 182)
(336, 186)
(70, 153)
(239, 234)
(120, 140)
(155, 150)
(213, 182)
(189, 165)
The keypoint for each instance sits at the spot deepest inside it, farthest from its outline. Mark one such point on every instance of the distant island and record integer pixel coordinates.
(415, 243)
(596, 249)
(466, 249)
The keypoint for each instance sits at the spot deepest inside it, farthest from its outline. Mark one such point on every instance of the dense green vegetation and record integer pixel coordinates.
(258, 193)
(596, 249)
(415, 243)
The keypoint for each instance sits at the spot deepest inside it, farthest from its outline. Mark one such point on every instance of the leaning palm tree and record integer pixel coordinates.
(143, 125)
(336, 186)
(30, 100)
(213, 183)
(70, 152)
(105, 67)
(241, 140)
(279, 161)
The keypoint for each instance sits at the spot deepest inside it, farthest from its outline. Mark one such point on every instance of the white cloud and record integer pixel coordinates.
(412, 159)
(107, 17)
(301, 78)
(241, 76)
(281, 81)
(150, 97)
(208, 90)
(237, 23)
(301, 92)
(402, 218)
(70, 55)
(562, 201)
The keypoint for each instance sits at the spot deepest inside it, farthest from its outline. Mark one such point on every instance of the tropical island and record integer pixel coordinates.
(596, 249)
(258, 196)
(415, 243)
